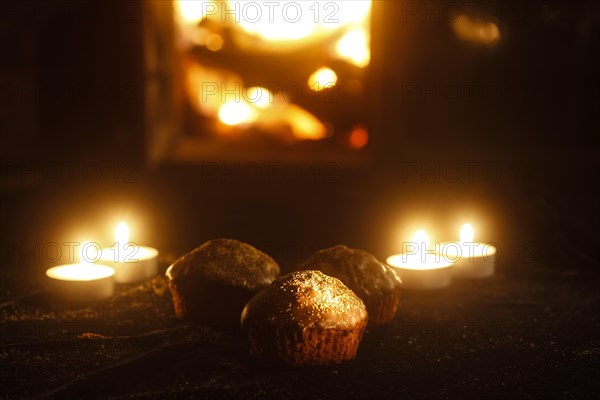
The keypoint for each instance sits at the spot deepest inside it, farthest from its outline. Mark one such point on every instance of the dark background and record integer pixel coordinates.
(458, 130)
(515, 152)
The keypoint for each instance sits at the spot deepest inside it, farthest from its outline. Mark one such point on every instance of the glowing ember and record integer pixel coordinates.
(214, 42)
(259, 96)
(236, 113)
(323, 78)
(292, 20)
(206, 87)
(191, 11)
(352, 11)
(475, 31)
(358, 138)
(292, 24)
(354, 48)
(305, 125)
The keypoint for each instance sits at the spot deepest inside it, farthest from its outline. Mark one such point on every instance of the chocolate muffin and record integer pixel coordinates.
(213, 282)
(305, 318)
(377, 284)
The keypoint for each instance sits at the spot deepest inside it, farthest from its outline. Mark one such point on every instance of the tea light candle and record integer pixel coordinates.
(81, 282)
(471, 259)
(131, 262)
(421, 269)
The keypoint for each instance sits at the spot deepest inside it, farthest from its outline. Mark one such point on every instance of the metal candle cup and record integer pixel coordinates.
(422, 272)
(132, 263)
(471, 259)
(81, 282)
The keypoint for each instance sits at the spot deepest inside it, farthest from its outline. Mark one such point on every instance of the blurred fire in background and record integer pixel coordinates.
(324, 81)
(273, 74)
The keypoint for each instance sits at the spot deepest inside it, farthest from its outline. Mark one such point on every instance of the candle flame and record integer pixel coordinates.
(420, 237)
(122, 233)
(466, 233)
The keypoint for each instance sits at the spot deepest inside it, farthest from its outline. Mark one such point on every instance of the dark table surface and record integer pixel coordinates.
(532, 330)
